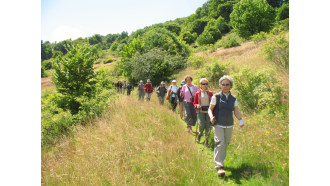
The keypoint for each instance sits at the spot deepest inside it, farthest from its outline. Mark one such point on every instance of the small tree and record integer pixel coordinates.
(252, 16)
(73, 76)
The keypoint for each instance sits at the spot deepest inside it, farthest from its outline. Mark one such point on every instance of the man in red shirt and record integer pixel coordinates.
(148, 90)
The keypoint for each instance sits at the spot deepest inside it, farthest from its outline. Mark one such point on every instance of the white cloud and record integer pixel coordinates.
(66, 32)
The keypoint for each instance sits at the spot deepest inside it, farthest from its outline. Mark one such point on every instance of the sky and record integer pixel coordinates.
(64, 19)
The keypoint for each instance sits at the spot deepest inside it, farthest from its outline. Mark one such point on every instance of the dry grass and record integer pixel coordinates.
(134, 143)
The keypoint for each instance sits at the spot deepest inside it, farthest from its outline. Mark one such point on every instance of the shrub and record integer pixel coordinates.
(280, 26)
(213, 72)
(230, 40)
(205, 38)
(282, 12)
(188, 37)
(157, 65)
(257, 90)
(252, 16)
(196, 61)
(74, 74)
(258, 37)
(43, 71)
(114, 46)
(222, 25)
(108, 61)
(276, 49)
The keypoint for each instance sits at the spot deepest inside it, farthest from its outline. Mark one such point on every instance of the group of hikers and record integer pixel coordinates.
(122, 87)
(201, 104)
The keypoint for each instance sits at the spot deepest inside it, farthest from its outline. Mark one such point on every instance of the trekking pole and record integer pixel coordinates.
(197, 126)
(208, 134)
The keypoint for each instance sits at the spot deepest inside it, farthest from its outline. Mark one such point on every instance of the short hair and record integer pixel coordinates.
(188, 76)
(226, 77)
(203, 79)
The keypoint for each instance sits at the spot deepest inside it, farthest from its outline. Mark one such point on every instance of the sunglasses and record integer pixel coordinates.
(204, 83)
(225, 85)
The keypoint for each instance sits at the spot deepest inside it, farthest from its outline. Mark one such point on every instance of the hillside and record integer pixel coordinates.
(136, 143)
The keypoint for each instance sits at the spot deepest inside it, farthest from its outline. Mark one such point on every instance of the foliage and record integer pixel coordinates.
(213, 72)
(222, 25)
(276, 3)
(259, 37)
(230, 40)
(56, 120)
(257, 90)
(162, 38)
(43, 72)
(276, 49)
(252, 16)
(63, 46)
(282, 12)
(205, 38)
(46, 50)
(74, 75)
(173, 27)
(114, 46)
(198, 26)
(196, 61)
(188, 37)
(157, 65)
(95, 39)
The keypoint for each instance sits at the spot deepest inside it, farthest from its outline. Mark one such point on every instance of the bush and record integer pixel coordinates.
(230, 40)
(205, 38)
(43, 72)
(280, 27)
(222, 25)
(282, 12)
(74, 75)
(258, 37)
(276, 49)
(257, 90)
(108, 61)
(157, 65)
(196, 61)
(252, 16)
(188, 37)
(213, 72)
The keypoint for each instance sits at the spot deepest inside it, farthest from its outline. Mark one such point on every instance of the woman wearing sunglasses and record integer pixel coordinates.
(202, 103)
(222, 106)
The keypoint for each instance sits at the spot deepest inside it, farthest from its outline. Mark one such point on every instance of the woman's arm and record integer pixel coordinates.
(210, 112)
(239, 117)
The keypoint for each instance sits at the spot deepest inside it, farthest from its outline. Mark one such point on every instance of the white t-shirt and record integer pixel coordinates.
(173, 88)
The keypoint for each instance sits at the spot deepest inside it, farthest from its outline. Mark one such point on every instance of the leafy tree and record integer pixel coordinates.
(225, 9)
(162, 38)
(198, 26)
(188, 37)
(252, 16)
(205, 38)
(173, 27)
(73, 76)
(282, 12)
(46, 50)
(95, 39)
(157, 65)
(276, 3)
(62, 46)
(114, 46)
(221, 24)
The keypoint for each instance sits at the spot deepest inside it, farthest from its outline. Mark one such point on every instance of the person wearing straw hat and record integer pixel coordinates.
(180, 99)
(171, 96)
(222, 107)
(161, 92)
(148, 90)
(141, 90)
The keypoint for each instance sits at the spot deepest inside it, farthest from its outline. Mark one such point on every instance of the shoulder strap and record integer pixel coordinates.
(190, 91)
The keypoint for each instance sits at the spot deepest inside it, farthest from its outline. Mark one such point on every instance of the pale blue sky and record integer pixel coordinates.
(64, 19)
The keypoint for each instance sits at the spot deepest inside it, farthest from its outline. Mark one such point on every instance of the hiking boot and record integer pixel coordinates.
(221, 171)
(198, 138)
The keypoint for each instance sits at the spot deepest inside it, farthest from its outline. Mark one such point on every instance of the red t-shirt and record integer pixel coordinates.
(148, 88)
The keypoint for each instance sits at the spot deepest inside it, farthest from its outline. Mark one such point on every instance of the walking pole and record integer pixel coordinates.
(197, 126)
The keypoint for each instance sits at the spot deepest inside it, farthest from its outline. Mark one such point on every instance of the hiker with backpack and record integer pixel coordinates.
(171, 96)
(222, 107)
(188, 92)
(161, 91)
(202, 103)
(141, 90)
(148, 90)
(129, 88)
(180, 99)
(124, 87)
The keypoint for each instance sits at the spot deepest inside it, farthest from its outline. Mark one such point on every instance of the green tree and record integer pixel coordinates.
(252, 16)
(62, 46)
(173, 27)
(221, 24)
(282, 12)
(73, 76)
(198, 26)
(46, 50)
(188, 37)
(205, 38)
(157, 65)
(95, 39)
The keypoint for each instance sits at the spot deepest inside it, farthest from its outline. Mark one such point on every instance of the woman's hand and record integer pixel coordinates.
(241, 123)
(213, 120)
